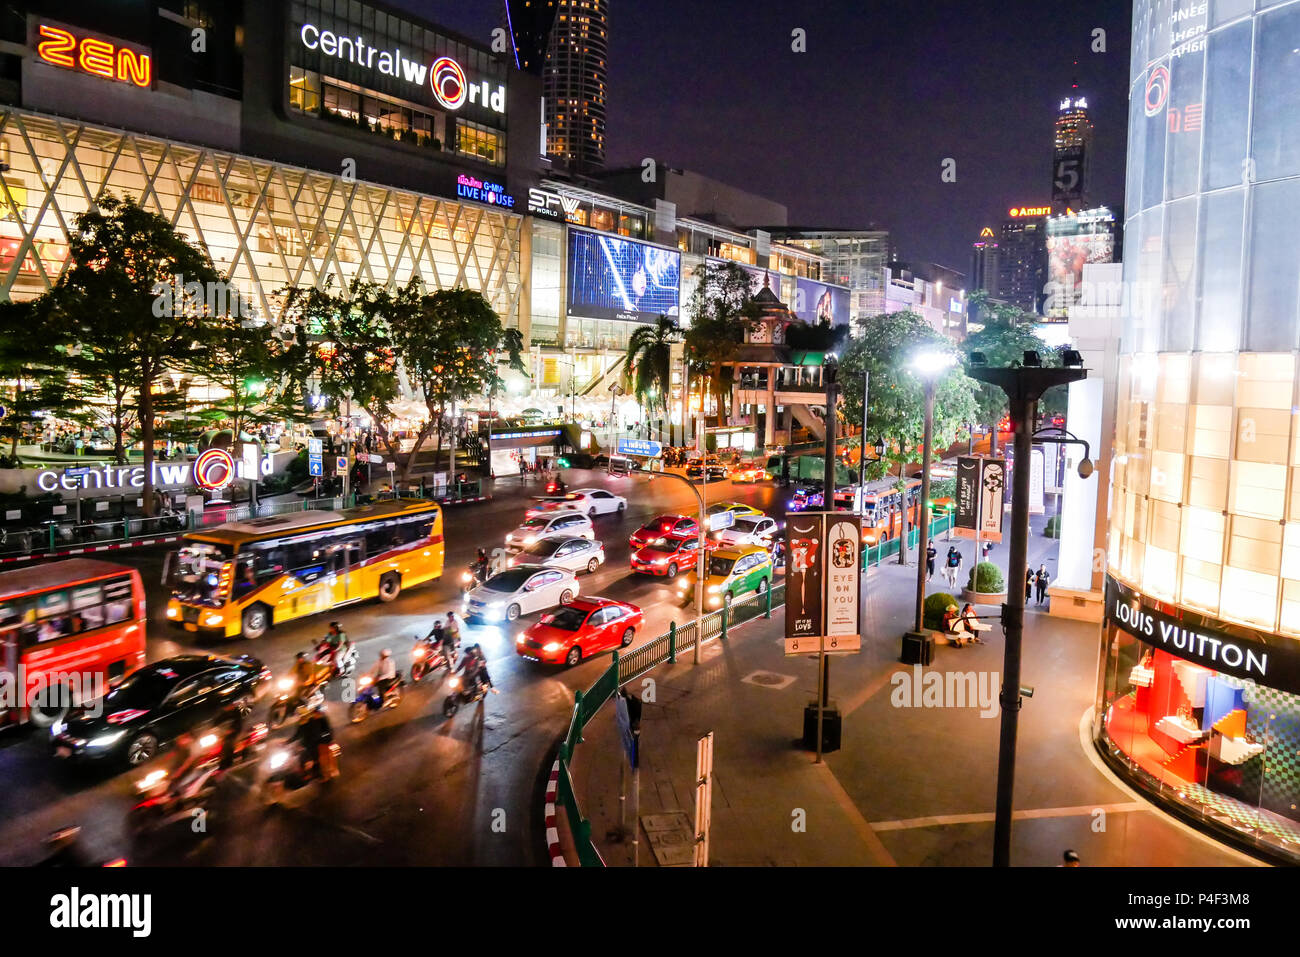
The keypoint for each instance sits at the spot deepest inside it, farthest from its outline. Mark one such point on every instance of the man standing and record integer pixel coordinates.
(953, 566)
(930, 554)
(1029, 584)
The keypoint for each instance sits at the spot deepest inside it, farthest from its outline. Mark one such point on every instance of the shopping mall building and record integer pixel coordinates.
(1199, 688)
(302, 141)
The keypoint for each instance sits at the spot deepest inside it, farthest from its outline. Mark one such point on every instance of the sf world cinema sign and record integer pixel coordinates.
(446, 77)
(1229, 649)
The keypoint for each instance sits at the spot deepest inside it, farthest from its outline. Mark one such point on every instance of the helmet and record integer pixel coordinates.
(386, 653)
(302, 654)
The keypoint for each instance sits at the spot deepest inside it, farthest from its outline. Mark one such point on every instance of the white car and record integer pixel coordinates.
(566, 524)
(750, 530)
(595, 501)
(575, 554)
(520, 591)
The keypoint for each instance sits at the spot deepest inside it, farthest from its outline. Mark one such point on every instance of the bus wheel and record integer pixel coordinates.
(256, 621)
(390, 586)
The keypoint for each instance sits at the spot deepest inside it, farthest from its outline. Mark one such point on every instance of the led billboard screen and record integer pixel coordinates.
(1072, 242)
(611, 277)
(819, 302)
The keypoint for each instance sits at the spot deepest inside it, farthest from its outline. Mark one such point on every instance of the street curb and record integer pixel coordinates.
(466, 501)
(40, 556)
(548, 817)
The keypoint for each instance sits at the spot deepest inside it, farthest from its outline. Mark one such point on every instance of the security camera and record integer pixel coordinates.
(1086, 468)
(1027, 690)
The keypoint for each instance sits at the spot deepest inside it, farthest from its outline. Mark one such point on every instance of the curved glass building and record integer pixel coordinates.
(1199, 691)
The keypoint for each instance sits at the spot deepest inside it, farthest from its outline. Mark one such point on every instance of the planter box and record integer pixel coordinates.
(983, 597)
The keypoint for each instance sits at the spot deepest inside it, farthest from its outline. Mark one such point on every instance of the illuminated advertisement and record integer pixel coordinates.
(816, 302)
(483, 191)
(70, 50)
(1073, 241)
(611, 277)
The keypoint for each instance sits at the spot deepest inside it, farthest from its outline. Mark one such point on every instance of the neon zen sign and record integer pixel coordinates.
(61, 47)
(446, 77)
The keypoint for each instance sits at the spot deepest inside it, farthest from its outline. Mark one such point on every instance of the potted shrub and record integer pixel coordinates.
(1053, 527)
(985, 586)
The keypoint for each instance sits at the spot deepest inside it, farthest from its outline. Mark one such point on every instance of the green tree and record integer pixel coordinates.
(116, 303)
(885, 350)
(1007, 335)
(449, 346)
(721, 310)
(649, 362)
(40, 385)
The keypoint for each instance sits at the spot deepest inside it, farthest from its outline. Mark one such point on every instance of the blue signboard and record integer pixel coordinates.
(78, 471)
(315, 467)
(640, 447)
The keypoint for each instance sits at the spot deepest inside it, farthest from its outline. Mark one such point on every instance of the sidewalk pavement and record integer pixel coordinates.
(911, 785)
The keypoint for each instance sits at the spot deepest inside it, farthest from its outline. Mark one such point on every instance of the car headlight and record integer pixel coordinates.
(519, 639)
(211, 619)
(285, 684)
(105, 740)
(57, 728)
(530, 540)
(552, 646)
(173, 612)
(714, 589)
(510, 536)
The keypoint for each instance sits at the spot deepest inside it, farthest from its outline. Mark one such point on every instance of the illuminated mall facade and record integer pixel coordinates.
(1199, 686)
(324, 140)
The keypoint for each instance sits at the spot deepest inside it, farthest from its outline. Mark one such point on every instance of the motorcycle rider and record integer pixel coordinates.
(332, 648)
(304, 673)
(453, 629)
(384, 672)
(481, 565)
(474, 670)
(314, 735)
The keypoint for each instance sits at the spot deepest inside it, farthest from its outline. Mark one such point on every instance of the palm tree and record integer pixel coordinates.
(649, 362)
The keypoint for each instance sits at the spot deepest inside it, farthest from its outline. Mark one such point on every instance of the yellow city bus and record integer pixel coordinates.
(243, 578)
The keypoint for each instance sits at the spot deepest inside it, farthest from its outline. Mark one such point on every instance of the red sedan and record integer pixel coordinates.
(667, 555)
(580, 629)
(661, 526)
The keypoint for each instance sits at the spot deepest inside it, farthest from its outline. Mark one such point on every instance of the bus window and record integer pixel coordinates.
(196, 572)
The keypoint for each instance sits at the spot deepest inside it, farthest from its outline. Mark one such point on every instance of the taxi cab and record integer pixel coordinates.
(732, 572)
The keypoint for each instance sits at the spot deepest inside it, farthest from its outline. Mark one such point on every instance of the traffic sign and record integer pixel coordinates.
(722, 520)
(315, 467)
(78, 470)
(392, 466)
(341, 463)
(3, 411)
(640, 447)
(314, 447)
(376, 459)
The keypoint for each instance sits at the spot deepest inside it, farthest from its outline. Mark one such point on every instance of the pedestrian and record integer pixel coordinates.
(930, 554)
(79, 444)
(1041, 581)
(953, 565)
(986, 547)
(1029, 584)
(523, 469)
(1070, 859)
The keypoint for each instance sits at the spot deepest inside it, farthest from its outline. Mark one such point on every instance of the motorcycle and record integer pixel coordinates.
(426, 657)
(291, 698)
(460, 695)
(165, 799)
(556, 486)
(474, 575)
(287, 771)
(369, 699)
(331, 664)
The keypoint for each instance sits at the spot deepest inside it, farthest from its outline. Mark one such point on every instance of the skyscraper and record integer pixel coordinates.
(1022, 262)
(1072, 153)
(566, 43)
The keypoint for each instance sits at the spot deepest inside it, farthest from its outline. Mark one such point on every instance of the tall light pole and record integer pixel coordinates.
(862, 450)
(928, 366)
(1024, 386)
(830, 372)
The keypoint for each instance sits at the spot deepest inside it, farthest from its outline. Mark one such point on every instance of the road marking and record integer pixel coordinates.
(987, 817)
(879, 855)
(863, 696)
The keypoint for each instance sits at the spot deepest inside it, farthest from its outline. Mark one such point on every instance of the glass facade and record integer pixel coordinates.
(1205, 491)
(265, 225)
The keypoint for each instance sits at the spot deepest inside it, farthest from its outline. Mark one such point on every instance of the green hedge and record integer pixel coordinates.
(934, 607)
(986, 578)
(1053, 527)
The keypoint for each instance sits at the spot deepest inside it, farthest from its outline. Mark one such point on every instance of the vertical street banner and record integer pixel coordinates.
(843, 567)
(1037, 463)
(993, 483)
(967, 517)
(803, 581)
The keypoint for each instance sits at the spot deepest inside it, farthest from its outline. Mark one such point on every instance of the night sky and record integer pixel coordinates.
(855, 130)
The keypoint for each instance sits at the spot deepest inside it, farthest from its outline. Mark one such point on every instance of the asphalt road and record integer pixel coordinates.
(416, 788)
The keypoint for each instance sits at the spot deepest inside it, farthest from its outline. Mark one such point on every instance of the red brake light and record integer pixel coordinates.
(116, 862)
(122, 717)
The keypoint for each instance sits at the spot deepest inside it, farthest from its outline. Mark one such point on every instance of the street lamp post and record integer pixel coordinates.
(929, 366)
(1024, 386)
(862, 450)
(831, 372)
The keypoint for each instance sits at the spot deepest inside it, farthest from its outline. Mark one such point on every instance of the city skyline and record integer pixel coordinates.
(1002, 145)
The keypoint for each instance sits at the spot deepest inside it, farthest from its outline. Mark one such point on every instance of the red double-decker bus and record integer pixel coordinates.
(67, 629)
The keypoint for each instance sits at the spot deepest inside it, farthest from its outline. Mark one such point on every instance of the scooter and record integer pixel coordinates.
(460, 695)
(426, 657)
(287, 771)
(331, 664)
(291, 698)
(369, 699)
(165, 799)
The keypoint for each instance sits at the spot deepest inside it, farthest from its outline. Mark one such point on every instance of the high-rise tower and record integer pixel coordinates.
(1072, 153)
(566, 43)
